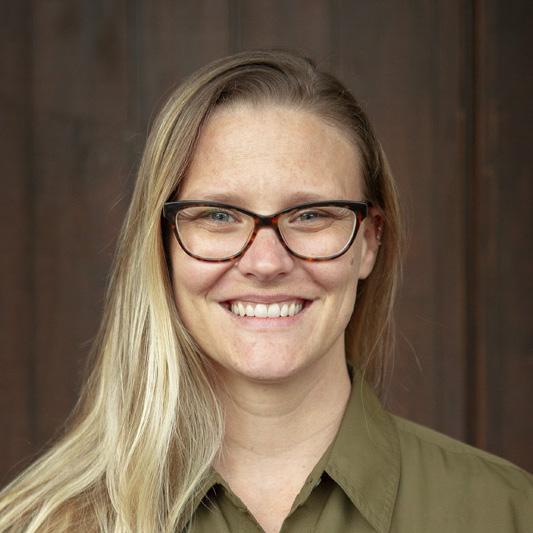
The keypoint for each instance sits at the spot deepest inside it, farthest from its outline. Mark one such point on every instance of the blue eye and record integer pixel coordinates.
(210, 218)
(310, 215)
(219, 216)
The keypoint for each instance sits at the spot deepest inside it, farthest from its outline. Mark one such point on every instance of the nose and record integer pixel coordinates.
(266, 258)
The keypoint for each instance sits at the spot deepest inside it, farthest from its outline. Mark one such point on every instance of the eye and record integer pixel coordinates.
(211, 215)
(318, 219)
(310, 216)
(219, 216)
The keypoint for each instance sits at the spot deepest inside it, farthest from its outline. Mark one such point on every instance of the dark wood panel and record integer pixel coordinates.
(504, 228)
(16, 205)
(305, 26)
(79, 104)
(409, 67)
(173, 40)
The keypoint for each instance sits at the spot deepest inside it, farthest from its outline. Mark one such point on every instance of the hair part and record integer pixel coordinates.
(149, 424)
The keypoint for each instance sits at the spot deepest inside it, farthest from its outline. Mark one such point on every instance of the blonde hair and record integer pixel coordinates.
(148, 424)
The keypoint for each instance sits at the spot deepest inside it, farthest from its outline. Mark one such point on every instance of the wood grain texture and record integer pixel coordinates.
(504, 229)
(79, 119)
(16, 203)
(304, 26)
(176, 38)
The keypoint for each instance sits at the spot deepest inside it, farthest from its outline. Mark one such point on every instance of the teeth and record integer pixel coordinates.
(260, 311)
(263, 311)
(273, 311)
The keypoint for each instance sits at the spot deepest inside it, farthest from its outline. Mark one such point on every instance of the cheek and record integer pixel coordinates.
(192, 279)
(341, 273)
(338, 280)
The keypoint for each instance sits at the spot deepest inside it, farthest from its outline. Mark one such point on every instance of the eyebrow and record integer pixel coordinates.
(236, 199)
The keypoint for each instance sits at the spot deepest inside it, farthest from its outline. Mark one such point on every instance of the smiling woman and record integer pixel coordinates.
(248, 333)
(262, 154)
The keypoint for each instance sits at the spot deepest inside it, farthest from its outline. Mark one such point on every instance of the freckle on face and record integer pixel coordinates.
(264, 157)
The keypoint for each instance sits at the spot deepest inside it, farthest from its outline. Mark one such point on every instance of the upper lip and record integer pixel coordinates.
(264, 299)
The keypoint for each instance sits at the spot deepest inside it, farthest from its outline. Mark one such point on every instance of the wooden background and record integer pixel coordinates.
(448, 85)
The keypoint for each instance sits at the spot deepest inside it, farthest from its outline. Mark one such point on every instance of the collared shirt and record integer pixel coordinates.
(385, 474)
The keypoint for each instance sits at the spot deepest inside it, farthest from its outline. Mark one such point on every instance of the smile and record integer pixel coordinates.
(274, 310)
(279, 313)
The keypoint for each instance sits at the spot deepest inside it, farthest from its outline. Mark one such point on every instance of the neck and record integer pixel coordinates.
(272, 424)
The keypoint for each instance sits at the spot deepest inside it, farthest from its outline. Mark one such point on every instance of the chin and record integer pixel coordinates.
(265, 368)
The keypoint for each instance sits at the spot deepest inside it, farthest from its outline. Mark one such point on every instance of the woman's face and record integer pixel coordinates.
(265, 159)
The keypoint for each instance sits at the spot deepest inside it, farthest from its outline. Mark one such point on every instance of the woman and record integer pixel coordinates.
(247, 334)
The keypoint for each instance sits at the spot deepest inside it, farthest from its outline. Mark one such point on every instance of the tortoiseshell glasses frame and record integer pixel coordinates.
(171, 209)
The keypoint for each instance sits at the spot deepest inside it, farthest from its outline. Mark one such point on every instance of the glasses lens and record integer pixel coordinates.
(318, 232)
(213, 232)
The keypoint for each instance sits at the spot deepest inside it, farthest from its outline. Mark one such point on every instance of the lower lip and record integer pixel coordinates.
(268, 323)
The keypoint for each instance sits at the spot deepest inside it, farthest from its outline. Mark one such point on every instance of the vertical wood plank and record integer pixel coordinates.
(304, 26)
(16, 205)
(504, 228)
(80, 120)
(173, 40)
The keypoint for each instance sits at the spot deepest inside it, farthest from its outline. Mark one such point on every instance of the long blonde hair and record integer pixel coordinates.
(148, 424)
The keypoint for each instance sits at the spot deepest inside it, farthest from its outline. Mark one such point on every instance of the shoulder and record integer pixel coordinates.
(429, 442)
(456, 479)
(423, 446)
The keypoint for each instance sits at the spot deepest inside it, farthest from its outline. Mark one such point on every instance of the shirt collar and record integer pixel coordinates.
(363, 459)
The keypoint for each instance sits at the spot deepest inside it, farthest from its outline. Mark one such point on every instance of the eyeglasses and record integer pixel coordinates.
(217, 232)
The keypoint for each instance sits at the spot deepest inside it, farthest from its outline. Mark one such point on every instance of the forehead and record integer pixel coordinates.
(270, 157)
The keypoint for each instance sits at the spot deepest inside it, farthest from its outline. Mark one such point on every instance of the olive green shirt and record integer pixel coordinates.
(384, 474)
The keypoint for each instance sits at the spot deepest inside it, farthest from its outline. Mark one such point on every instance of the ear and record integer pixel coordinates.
(372, 229)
